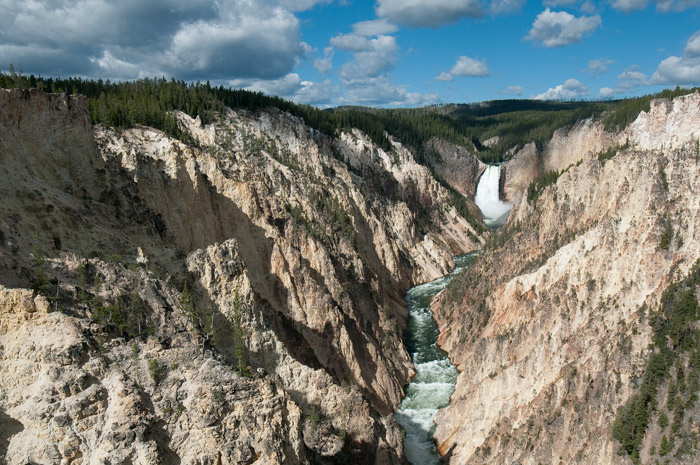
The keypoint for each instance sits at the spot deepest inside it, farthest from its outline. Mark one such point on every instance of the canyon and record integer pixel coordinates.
(238, 297)
(237, 301)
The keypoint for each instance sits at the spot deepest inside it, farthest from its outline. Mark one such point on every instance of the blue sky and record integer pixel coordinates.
(383, 53)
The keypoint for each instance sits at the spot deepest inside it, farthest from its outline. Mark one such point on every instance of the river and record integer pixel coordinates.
(431, 387)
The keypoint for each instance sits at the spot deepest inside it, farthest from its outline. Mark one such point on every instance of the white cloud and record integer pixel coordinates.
(511, 90)
(325, 64)
(692, 47)
(351, 42)
(374, 28)
(465, 66)
(371, 57)
(316, 93)
(684, 70)
(247, 43)
(515, 90)
(667, 6)
(588, 7)
(571, 89)
(629, 5)
(285, 86)
(433, 14)
(196, 39)
(558, 28)
(632, 78)
(606, 92)
(627, 82)
(598, 66)
(678, 71)
(499, 7)
(555, 3)
(300, 5)
(292, 87)
(381, 91)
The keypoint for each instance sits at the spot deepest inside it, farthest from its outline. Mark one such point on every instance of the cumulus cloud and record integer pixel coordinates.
(188, 39)
(692, 47)
(598, 66)
(292, 87)
(511, 90)
(371, 57)
(606, 92)
(678, 71)
(571, 89)
(627, 82)
(465, 66)
(418, 13)
(632, 78)
(366, 78)
(382, 92)
(285, 86)
(588, 7)
(629, 5)
(325, 64)
(374, 28)
(668, 6)
(515, 90)
(499, 7)
(683, 70)
(555, 3)
(301, 5)
(316, 93)
(559, 28)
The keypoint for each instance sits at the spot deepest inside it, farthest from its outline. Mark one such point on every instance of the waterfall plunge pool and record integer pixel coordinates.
(431, 387)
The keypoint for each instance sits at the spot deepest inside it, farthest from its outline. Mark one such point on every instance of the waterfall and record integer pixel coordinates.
(488, 199)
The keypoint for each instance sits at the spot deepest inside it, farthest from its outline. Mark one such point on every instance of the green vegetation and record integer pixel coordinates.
(667, 235)
(623, 112)
(157, 370)
(239, 350)
(514, 122)
(611, 152)
(538, 185)
(675, 351)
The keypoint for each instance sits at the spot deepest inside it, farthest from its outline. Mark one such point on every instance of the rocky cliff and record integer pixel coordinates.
(237, 300)
(551, 328)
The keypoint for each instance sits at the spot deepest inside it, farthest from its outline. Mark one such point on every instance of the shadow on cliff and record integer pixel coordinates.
(8, 428)
(95, 207)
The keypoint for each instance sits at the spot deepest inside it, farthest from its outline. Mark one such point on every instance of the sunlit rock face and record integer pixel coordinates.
(293, 255)
(535, 325)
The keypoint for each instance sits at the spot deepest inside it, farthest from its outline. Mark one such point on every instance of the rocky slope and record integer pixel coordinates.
(238, 301)
(551, 330)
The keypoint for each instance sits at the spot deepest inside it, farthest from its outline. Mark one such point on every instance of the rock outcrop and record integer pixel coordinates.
(551, 330)
(456, 165)
(235, 301)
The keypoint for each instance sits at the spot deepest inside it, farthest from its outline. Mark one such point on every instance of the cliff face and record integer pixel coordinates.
(236, 302)
(551, 330)
(456, 165)
(567, 147)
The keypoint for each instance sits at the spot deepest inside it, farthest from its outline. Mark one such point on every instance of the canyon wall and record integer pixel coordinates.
(551, 327)
(235, 300)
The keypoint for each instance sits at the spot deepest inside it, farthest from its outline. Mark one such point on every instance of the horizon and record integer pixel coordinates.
(383, 54)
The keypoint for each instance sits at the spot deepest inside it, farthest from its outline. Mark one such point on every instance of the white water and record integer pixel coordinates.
(431, 387)
(488, 199)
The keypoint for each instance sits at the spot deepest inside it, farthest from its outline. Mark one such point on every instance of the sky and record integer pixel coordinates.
(383, 53)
